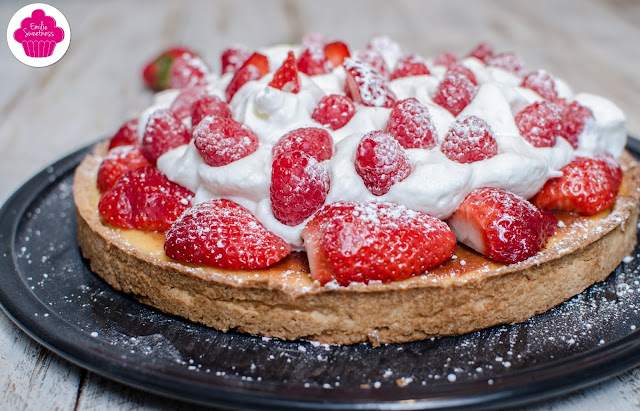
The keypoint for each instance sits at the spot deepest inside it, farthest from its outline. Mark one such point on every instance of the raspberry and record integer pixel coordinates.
(181, 106)
(286, 77)
(366, 86)
(118, 161)
(126, 135)
(445, 58)
(454, 92)
(223, 234)
(483, 52)
(460, 69)
(144, 199)
(299, 187)
(313, 61)
(411, 124)
(162, 132)
(187, 71)
(381, 162)
(469, 139)
(222, 141)
(334, 110)
(336, 52)
(209, 106)
(313, 141)
(509, 62)
(540, 123)
(375, 61)
(574, 117)
(314, 39)
(410, 65)
(233, 58)
(542, 83)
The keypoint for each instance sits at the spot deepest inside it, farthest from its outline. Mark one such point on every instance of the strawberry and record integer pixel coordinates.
(313, 141)
(349, 242)
(574, 118)
(502, 226)
(381, 162)
(483, 52)
(144, 199)
(181, 106)
(156, 72)
(468, 140)
(366, 86)
(410, 123)
(410, 65)
(286, 77)
(221, 233)
(299, 186)
(542, 83)
(118, 161)
(222, 141)
(444, 58)
(187, 71)
(587, 186)
(509, 62)
(126, 135)
(454, 92)
(375, 61)
(456, 67)
(334, 110)
(336, 52)
(162, 132)
(209, 106)
(254, 68)
(233, 58)
(313, 61)
(540, 123)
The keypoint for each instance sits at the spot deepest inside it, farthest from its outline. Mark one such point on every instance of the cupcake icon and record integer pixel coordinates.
(39, 34)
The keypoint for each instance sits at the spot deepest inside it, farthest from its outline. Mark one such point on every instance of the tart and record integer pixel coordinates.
(294, 288)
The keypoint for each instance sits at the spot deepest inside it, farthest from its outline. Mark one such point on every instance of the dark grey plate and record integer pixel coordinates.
(48, 290)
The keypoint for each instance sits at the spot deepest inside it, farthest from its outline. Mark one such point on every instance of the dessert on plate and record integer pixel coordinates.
(314, 191)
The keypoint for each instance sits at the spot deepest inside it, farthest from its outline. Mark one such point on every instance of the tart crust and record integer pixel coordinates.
(467, 293)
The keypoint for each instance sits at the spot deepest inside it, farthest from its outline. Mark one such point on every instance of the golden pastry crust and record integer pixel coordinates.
(467, 293)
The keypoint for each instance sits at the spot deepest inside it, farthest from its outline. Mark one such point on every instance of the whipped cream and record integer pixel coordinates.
(436, 184)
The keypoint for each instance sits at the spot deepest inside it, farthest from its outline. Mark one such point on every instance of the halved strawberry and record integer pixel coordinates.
(381, 162)
(540, 123)
(366, 86)
(587, 186)
(483, 52)
(187, 71)
(163, 132)
(156, 72)
(468, 140)
(144, 199)
(233, 58)
(410, 65)
(312, 61)
(454, 92)
(542, 83)
(411, 124)
(334, 110)
(222, 141)
(126, 135)
(118, 161)
(351, 242)
(223, 234)
(501, 225)
(286, 77)
(314, 141)
(254, 68)
(336, 52)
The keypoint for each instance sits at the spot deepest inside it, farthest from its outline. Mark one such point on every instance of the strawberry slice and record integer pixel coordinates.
(187, 71)
(574, 118)
(587, 186)
(223, 234)
(366, 86)
(286, 77)
(163, 132)
(222, 141)
(542, 83)
(334, 110)
(313, 141)
(336, 52)
(126, 135)
(540, 123)
(256, 66)
(483, 52)
(349, 242)
(233, 58)
(454, 92)
(312, 61)
(502, 226)
(411, 124)
(209, 106)
(118, 161)
(381, 162)
(144, 199)
(156, 72)
(410, 65)
(468, 140)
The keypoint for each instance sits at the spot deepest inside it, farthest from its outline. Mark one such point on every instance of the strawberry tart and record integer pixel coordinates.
(318, 192)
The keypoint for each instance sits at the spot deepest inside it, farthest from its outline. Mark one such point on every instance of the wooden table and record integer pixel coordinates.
(48, 112)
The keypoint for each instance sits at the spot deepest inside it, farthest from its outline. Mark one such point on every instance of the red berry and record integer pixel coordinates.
(410, 123)
(509, 62)
(118, 161)
(336, 52)
(144, 199)
(162, 132)
(209, 106)
(187, 71)
(375, 61)
(221, 233)
(468, 140)
(445, 58)
(181, 106)
(483, 52)
(313, 61)
(542, 83)
(254, 68)
(233, 58)
(574, 117)
(351, 242)
(260, 61)
(454, 92)
(313, 141)
(587, 186)
(286, 77)
(314, 40)
(410, 65)
(334, 110)
(540, 123)
(299, 186)
(460, 69)
(156, 72)
(366, 86)
(222, 141)
(126, 135)
(502, 226)
(381, 162)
